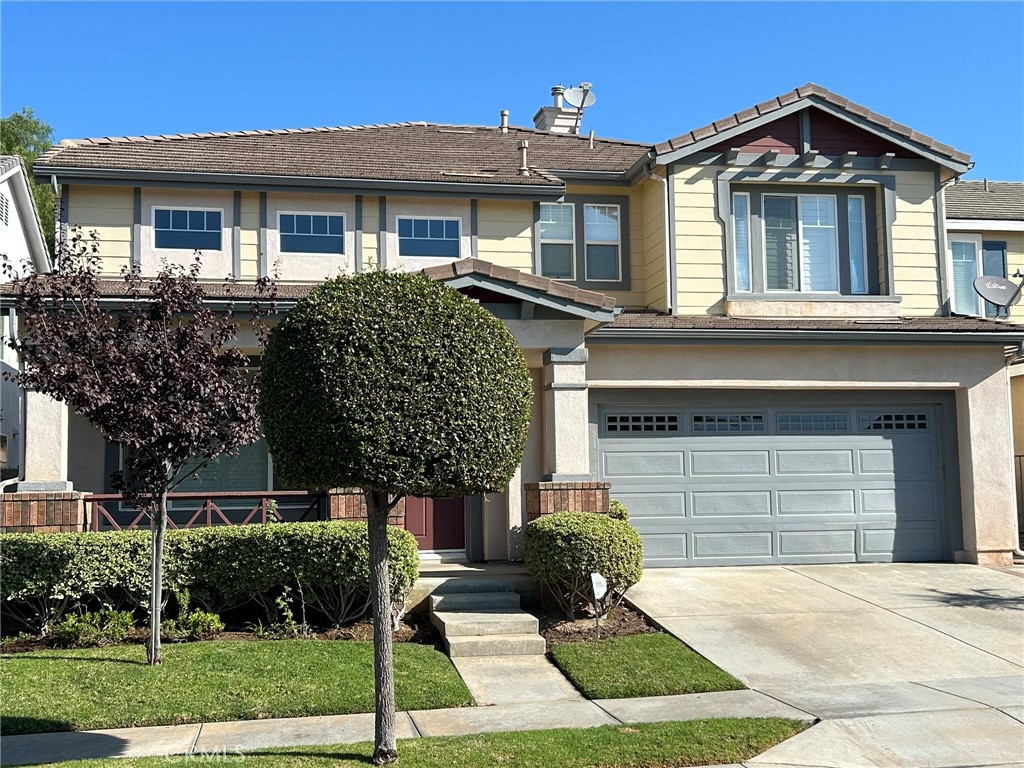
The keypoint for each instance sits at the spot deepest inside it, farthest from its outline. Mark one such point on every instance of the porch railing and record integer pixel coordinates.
(109, 511)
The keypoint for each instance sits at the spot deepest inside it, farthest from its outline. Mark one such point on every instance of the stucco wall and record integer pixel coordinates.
(430, 207)
(216, 264)
(309, 267)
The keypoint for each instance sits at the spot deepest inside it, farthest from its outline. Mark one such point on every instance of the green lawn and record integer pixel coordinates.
(217, 680)
(639, 665)
(647, 745)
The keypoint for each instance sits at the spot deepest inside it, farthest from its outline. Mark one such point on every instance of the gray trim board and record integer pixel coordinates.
(122, 177)
(940, 231)
(804, 160)
(137, 226)
(357, 250)
(609, 335)
(473, 229)
(673, 287)
(264, 256)
(65, 197)
(805, 131)
(236, 235)
(382, 237)
(580, 247)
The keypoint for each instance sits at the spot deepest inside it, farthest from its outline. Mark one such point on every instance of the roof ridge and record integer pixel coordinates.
(98, 140)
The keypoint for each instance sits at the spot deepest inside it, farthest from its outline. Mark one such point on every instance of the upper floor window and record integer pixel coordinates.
(584, 241)
(312, 233)
(794, 242)
(971, 258)
(190, 229)
(429, 237)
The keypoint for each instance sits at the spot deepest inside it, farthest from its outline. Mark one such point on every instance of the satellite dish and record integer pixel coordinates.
(580, 97)
(998, 290)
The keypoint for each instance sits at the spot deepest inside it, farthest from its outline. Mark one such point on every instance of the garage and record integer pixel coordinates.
(796, 478)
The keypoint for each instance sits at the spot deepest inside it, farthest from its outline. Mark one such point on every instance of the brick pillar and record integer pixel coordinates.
(545, 498)
(349, 504)
(42, 512)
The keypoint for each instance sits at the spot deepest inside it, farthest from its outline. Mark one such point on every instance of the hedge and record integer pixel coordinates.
(562, 550)
(48, 575)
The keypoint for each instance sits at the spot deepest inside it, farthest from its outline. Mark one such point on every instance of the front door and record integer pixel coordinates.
(436, 523)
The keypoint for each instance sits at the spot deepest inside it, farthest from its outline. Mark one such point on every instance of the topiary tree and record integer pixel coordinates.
(401, 386)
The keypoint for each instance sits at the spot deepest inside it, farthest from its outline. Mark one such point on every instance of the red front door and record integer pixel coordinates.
(436, 523)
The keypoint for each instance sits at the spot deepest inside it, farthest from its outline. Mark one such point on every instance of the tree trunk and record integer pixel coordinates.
(158, 529)
(385, 748)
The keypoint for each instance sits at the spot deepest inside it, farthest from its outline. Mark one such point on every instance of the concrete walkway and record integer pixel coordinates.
(250, 735)
(915, 666)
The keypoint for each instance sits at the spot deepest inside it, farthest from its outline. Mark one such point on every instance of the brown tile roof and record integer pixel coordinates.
(522, 279)
(1000, 200)
(954, 324)
(803, 92)
(396, 152)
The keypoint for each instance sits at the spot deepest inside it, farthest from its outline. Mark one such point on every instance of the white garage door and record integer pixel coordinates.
(763, 485)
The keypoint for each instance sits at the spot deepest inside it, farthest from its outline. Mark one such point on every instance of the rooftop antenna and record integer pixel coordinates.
(580, 97)
(998, 290)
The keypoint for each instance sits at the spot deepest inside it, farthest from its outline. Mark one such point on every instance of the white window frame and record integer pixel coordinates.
(864, 242)
(153, 209)
(799, 243)
(280, 234)
(559, 241)
(979, 264)
(618, 244)
(414, 217)
(735, 244)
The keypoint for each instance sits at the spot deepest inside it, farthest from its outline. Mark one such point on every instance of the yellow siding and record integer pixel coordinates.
(699, 244)
(106, 214)
(249, 236)
(915, 244)
(371, 233)
(1014, 261)
(505, 233)
(652, 193)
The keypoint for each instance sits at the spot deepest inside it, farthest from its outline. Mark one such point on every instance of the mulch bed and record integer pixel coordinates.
(620, 622)
(414, 628)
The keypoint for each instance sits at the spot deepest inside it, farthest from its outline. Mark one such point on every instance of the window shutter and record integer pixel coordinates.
(993, 263)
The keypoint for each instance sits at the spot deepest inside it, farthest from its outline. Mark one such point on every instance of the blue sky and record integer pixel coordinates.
(952, 70)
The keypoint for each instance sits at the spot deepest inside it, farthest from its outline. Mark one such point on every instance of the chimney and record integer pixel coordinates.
(504, 121)
(557, 118)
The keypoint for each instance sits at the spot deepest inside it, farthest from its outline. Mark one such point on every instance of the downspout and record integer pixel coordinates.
(668, 249)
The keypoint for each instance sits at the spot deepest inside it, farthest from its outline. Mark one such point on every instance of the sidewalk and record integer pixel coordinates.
(250, 735)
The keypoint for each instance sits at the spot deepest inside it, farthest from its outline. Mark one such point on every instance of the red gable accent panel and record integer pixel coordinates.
(833, 136)
(782, 135)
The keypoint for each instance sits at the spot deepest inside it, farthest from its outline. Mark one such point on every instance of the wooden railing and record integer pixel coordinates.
(109, 511)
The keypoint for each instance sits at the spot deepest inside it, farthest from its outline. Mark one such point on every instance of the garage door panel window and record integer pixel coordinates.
(788, 423)
(727, 423)
(873, 421)
(645, 422)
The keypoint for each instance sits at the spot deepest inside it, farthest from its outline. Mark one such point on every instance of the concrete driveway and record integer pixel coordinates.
(917, 665)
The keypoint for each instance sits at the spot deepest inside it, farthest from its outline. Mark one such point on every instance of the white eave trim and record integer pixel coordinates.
(984, 225)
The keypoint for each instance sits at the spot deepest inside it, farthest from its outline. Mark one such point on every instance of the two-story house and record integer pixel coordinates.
(750, 331)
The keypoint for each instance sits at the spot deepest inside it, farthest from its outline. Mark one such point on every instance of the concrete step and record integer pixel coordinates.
(477, 623)
(474, 601)
(495, 645)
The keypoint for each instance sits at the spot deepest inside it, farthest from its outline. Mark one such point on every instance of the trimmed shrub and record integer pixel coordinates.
(563, 549)
(93, 628)
(191, 626)
(47, 575)
(618, 511)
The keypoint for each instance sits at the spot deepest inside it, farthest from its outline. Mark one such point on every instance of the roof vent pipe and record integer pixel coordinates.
(504, 121)
(986, 183)
(524, 170)
(557, 92)
(591, 139)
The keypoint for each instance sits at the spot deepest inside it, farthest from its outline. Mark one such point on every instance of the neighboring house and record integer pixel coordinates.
(746, 330)
(985, 236)
(21, 241)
